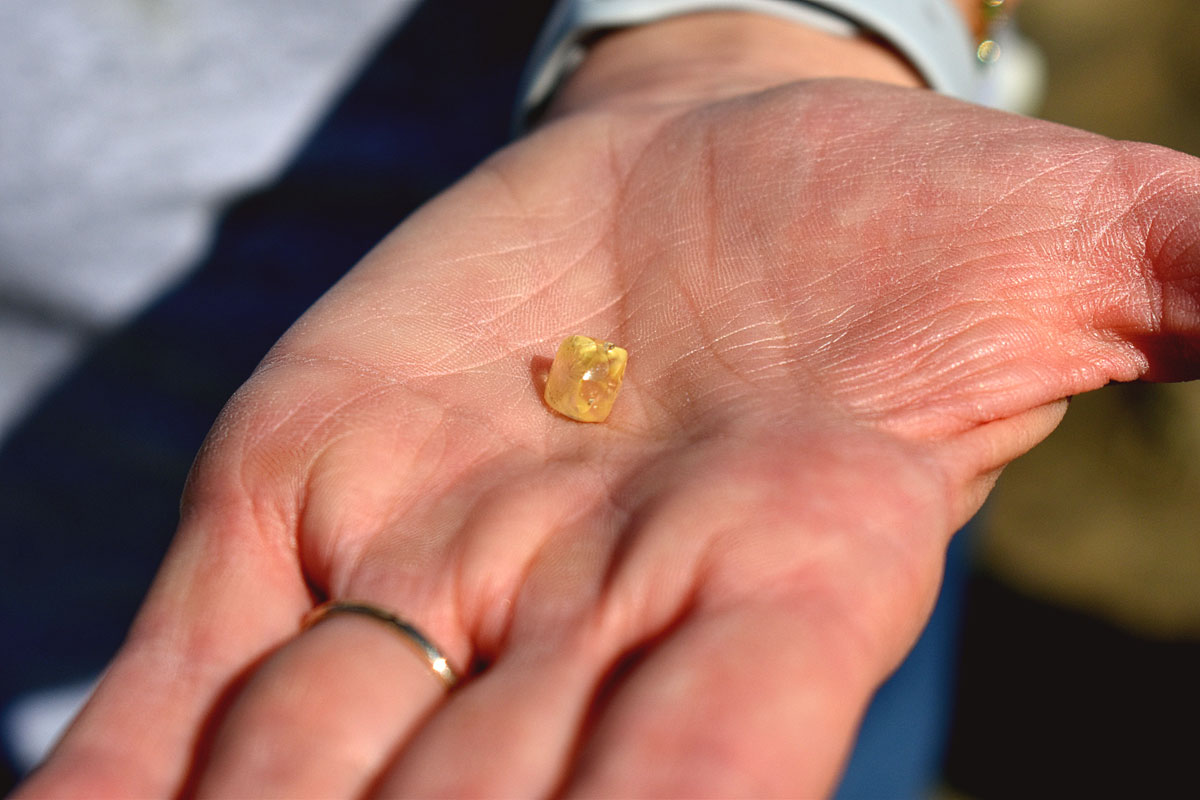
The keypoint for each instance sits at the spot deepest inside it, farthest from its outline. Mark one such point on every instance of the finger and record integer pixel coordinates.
(510, 733)
(756, 701)
(976, 458)
(571, 626)
(323, 714)
(228, 592)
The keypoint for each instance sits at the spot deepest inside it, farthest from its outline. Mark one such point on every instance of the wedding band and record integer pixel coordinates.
(425, 648)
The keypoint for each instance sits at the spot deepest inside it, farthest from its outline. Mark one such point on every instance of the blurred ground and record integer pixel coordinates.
(1082, 635)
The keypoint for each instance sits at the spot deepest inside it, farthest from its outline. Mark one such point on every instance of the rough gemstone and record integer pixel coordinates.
(585, 378)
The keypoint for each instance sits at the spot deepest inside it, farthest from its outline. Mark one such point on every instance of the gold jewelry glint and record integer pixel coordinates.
(416, 639)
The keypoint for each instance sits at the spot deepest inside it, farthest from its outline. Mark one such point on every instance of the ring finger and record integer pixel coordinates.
(325, 712)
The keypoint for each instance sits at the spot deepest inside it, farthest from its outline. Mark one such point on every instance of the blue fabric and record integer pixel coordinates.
(903, 739)
(90, 481)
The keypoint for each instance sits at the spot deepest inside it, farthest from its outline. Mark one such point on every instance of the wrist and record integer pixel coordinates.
(709, 56)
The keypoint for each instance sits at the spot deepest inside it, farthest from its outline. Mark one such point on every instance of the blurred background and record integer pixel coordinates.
(1076, 672)
(1080, 659)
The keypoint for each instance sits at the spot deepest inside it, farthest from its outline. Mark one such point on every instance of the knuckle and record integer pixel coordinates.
(241, 474)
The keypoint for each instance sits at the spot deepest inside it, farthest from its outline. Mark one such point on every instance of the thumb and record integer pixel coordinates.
(1012, 262)
(1147, 237)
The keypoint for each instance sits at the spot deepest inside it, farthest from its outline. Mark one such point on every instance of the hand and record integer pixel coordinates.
(847, 306)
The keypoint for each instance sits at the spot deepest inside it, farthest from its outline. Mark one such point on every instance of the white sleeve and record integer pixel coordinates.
(930, 34)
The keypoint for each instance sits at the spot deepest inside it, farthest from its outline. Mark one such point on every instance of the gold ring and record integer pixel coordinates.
(423, 647)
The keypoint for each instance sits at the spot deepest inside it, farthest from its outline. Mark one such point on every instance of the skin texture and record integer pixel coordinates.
(847, 305)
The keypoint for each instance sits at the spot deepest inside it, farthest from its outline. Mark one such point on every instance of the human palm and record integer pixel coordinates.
(846, 307)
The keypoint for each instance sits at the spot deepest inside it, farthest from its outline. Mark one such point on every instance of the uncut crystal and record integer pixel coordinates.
(585, 378)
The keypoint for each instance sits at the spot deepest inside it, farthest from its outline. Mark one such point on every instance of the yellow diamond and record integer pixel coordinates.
(585, 378)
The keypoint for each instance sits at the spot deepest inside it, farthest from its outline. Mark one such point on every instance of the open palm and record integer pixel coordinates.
(847, 306)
